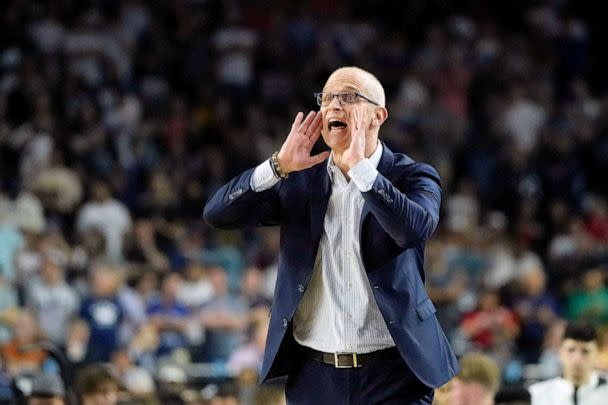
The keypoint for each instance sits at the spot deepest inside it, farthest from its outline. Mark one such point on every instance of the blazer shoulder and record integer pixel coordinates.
(412, 168)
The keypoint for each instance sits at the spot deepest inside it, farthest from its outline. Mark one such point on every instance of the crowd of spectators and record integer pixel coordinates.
(118, 119)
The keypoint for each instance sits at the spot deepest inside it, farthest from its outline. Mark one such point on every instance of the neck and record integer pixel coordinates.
(578, 380)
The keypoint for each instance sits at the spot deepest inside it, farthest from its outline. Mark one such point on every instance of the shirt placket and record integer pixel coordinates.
(349, 263)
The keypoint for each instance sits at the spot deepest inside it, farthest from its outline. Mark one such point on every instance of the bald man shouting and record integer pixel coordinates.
(351, 322)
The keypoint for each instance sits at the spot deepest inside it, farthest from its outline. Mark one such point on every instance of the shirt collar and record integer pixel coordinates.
(374, 159)
(592, 383)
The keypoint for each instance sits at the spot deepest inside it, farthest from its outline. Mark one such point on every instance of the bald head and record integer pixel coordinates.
(370, 83)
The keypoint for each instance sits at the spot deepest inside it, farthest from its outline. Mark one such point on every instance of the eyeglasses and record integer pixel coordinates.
(347, 97)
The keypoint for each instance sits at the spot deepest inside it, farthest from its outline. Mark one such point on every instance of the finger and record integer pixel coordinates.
(315, 135)
(316, 159)
(298, 120)
(304, 125)
(362, 119)
(315, 126)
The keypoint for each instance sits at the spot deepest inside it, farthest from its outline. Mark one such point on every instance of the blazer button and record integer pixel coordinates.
(285, 322)
(300, 288)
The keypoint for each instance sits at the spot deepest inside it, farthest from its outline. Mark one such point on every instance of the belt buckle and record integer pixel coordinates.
(337, 362)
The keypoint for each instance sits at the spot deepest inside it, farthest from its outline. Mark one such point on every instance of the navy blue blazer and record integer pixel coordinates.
(400, 213)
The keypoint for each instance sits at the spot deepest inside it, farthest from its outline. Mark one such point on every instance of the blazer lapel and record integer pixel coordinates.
(319, 198)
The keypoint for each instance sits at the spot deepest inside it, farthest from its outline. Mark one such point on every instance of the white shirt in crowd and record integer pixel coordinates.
(559, 391)
(110, 217)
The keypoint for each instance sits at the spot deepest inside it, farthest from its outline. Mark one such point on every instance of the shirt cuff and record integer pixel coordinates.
(263, 177)
(363, 174)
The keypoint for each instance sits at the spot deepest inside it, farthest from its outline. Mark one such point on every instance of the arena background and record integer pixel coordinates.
(119, 118)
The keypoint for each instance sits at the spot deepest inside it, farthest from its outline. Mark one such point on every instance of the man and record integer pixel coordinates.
(351, 321)
(579, 384)
(476, 384)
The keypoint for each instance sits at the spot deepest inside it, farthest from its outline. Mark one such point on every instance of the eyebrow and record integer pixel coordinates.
(345, 89)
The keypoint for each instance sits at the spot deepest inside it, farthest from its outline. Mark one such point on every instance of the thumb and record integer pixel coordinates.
(316, 159)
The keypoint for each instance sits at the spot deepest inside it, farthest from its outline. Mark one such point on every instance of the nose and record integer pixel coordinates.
(334, 104)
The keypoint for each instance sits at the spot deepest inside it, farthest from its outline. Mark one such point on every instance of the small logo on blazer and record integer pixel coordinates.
(235, 194)
(387, 198)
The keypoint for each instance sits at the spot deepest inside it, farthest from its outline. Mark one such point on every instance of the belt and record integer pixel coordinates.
(350, 360)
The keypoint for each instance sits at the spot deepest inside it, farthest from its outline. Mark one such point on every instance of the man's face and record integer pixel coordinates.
(577, 359)
(338, 137)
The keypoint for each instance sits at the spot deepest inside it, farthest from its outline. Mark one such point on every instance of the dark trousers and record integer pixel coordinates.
(388, 381)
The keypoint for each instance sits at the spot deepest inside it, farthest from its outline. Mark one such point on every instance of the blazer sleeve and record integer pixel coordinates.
(235, 204)
(408, 211)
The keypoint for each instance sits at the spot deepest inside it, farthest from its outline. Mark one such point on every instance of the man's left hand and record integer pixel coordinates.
(356, 150)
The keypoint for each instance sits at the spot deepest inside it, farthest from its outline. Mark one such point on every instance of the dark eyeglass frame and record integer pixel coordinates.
(319, 97)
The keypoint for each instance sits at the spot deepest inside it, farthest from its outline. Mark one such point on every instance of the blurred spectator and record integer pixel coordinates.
(549, 363)
(47, 389)
(579, 383)
(491, 328)
(140, 385)
(195, 290)
(224, 318)
(250, 354)
(144, 346)
(597, 219)
(96, 384)
(20, 354)
(103, 312)
(591, 301)
(172, 381)
(169, 316)
(462, 208)
(252, 289)
(499, 250)
(446, 285)
(76, 344)
(477, 383)
(52, 300)
(107, 215)
(58, 186)
(523, 118)
(133, 305)
(536, 310)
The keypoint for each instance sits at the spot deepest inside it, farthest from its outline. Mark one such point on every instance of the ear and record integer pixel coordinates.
(381, 114)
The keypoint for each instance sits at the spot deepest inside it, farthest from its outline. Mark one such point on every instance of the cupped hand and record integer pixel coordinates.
(295, 152)
(356, 150)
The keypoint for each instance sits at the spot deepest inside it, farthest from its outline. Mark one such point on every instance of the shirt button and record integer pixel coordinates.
(300, 288)
(349, 285)
(285, 322)
(349, 316)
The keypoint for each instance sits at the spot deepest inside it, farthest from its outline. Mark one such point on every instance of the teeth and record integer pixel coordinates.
(336, 124)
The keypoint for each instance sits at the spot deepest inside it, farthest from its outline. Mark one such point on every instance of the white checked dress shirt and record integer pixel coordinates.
(338, 312)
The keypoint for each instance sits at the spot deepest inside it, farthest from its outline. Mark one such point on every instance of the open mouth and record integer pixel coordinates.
(336, 125)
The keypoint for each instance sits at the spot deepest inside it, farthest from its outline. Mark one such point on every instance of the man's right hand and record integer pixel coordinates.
(295, 152)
